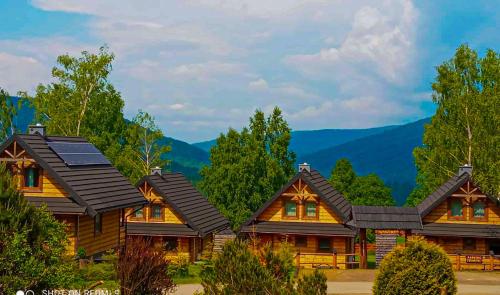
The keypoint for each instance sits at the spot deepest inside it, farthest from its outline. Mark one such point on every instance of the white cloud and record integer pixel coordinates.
(20, 73)
(259, 84)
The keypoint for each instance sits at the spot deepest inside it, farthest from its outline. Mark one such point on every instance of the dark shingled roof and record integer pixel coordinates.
(57, 205)
(379, 217)
(160, 229)
(299, 228)
(465, 230)
(334, 199)
(98, 188)
(195, 209)
(444, 191)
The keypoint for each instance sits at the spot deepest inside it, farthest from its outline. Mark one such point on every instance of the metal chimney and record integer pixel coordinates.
(156, 170)
(37, 129)
(305, 167)
(465, 169)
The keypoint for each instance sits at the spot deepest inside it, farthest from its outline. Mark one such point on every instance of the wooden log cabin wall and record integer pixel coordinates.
(177, 217)
(86, 193)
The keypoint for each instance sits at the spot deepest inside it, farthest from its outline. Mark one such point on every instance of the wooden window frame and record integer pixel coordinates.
(471, 213)
(302, 245)
(284, 215)
(37, 189)
(98, 230)
(177, 243)
(304, 215)
(162, 212)
(330, 250)
(133, 214)
(473, 245)
(450, 217)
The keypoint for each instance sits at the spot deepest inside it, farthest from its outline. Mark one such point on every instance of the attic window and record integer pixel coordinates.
(290, 209)
(455, 209)
(138, 212)
(479, 211)
(32, 178)
(156, 212)
(311, 210)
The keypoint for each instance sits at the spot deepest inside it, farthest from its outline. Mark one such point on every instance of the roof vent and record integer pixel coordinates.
(37, 129)
(156, 170)
(304, 167)
(465, 169)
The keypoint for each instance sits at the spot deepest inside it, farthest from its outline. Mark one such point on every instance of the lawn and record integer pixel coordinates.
(193, 276)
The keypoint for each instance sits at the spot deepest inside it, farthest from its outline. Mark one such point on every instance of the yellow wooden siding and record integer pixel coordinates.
(182, 251)
(169, 215)
(275, 211)
(70, 222)
(454, 245)
(100, 242)
(440, 215)
(50, 188)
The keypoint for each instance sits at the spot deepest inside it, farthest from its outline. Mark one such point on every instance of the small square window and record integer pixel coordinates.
(324, 244)
(310, 208)
(300, 241)
(455, 209)
(139, 212)
(156, 212)
(478, 210)
(290, 209)
(170, 244)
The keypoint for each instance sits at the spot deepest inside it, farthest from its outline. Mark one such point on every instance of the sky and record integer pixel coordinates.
(200, 67)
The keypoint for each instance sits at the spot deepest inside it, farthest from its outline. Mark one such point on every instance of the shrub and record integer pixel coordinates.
(420, 268)
(143, 269)
(32, 244)
(314, 284)
(237, 270)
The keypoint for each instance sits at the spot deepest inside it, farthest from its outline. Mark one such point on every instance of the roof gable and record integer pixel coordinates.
(97, 188)
(319, 185)
(188, 202)
(440, 195)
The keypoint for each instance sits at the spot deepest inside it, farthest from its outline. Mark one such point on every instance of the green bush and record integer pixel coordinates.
(420, 268)
(237, 270)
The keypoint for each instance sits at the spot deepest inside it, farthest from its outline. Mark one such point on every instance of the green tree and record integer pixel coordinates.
(145, 146)
(466, 126)
(367, 190)
(419, 268)
(342, 176)
(237, 270)
(32, 243)
(82, 102)
(248, 167)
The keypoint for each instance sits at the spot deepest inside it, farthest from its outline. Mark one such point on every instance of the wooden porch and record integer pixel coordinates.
(326, 260)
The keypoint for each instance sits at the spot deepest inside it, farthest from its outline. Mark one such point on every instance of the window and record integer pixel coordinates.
(98, 224)
(290, 209)
(310, 209)
(324, 244)
(469, 244)
(479, 210)
(32, 178)
(156, 212)
(456, 209)
(170, 244)
(138, 212)
(300, 241)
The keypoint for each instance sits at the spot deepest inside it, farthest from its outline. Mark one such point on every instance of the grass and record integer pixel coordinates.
(193, 276)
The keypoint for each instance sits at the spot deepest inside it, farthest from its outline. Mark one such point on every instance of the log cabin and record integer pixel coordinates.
(178, 218)
(78, 185)
(463, 220)
(311, 216)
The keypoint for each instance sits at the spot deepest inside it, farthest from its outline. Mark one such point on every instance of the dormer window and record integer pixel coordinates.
(32, 178)
(478, 211)
(455, 209)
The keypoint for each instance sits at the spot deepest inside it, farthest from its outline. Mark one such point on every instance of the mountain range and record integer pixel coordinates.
(386, 151)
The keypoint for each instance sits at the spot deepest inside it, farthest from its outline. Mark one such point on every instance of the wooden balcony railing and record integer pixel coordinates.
(326, 260)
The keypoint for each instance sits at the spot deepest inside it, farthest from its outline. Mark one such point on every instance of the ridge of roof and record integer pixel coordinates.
(175, 189)
(319, 185)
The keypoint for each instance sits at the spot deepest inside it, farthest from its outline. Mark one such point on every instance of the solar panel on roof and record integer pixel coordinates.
(78, 153)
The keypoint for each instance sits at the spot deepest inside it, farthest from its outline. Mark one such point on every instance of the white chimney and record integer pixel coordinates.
(465, 169)
(156, 170)
(304, 166)
(37, 129)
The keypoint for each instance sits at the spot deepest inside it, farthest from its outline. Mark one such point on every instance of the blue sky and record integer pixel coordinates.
(202, 66)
